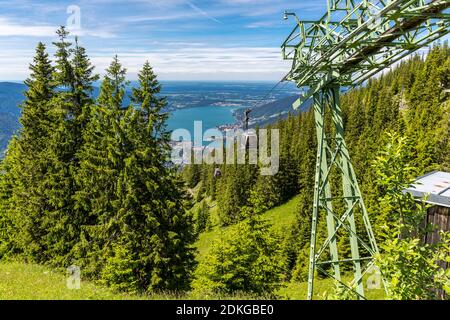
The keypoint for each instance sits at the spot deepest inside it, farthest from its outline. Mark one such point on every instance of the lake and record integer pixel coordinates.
(211, 117)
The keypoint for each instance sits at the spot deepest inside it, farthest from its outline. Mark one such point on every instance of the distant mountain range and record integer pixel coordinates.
(273, 111)
(11, 95)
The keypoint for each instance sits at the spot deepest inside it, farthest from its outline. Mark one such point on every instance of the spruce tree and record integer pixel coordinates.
(64, 70)
(148, 99)
(25, 200)
(83, 79)
(97, 178)
(136, 203)
(248, 260)
(74, 77)
(154, 200)
(9, 244)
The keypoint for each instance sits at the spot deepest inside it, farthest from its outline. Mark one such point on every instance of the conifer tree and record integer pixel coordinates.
(74, 77)
(136, 203)
(147, 97)
(247, 260)
(9, 244)
(25, 200)
(102, 161)
(154, 193)
(63, 75)
(83, 79)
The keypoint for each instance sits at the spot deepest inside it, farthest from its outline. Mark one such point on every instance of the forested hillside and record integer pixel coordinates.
(397, 127)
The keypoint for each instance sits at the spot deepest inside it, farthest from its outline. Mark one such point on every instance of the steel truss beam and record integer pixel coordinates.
(358, 40)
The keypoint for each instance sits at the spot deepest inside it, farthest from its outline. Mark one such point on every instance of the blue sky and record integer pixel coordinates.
(182, 39)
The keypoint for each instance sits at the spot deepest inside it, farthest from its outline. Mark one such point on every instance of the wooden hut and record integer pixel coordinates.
(434, 188)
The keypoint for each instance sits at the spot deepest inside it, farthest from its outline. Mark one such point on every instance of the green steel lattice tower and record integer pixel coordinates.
(353, 41)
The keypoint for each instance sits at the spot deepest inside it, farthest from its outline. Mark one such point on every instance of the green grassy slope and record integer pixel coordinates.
(28, 281)
(33, 282)
(20, 281)
(280, 217)
(322, 287)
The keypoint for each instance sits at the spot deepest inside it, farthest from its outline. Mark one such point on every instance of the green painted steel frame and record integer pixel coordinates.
(329, 157)
(358, 40)
(353, 41)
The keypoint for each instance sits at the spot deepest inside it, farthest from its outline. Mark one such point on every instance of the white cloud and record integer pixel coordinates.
(10, 29)
(204, 63)
(14, 64)
(97, 33)
(184, 63)
(261, 24)
(253, 2)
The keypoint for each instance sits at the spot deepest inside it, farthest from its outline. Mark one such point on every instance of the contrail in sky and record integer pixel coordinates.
(202, 12)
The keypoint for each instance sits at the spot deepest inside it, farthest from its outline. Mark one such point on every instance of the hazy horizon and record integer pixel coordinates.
(174, 80)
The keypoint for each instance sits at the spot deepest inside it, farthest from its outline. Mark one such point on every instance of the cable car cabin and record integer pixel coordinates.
(249, 139)
(434, 188)
(217, 173)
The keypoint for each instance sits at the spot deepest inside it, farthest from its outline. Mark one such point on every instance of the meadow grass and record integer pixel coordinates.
(23, 281)
(280, 218)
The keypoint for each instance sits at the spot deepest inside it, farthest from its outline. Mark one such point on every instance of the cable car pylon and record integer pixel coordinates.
(353, 41)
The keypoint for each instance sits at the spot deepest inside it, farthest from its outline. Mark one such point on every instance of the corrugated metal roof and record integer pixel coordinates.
(435, 185)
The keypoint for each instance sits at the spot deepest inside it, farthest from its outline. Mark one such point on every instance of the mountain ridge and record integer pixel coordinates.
(273, 111)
